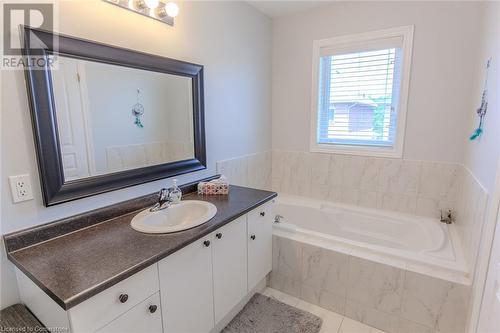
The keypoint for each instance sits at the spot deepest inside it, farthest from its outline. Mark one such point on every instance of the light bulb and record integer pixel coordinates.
(171, 9)
(152, 3)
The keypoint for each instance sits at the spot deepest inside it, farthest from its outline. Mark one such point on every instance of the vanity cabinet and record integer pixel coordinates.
(194, 290)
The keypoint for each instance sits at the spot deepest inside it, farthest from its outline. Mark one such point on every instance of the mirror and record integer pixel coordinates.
(105, 117)
(112, 118)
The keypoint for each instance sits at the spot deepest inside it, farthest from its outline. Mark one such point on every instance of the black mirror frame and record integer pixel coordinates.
(39, 45)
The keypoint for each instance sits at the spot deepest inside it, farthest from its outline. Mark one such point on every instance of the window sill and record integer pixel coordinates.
(357, 150)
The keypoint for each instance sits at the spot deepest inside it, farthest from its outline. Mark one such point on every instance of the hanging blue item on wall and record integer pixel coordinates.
(138, 111)
(481, 112)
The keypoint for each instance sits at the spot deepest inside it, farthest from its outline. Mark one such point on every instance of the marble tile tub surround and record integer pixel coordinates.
(387, 297)
(414, 187)
(471, 212)
(251, 170)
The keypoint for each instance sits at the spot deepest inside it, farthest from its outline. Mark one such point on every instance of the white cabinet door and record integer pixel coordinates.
(230, 266)
(186, 289)
(144, 317)
(260, 243)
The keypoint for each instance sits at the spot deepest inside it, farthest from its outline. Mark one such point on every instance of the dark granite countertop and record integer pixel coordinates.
(76, 266)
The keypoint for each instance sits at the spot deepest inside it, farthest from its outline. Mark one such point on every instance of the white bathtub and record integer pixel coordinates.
(419, 244)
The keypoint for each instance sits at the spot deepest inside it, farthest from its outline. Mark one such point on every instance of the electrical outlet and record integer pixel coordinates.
(20, 187)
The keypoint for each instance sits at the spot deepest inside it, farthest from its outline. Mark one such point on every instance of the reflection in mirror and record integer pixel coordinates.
(112, 118)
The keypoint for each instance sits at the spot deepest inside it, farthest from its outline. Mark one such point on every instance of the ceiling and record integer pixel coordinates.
(286, 7)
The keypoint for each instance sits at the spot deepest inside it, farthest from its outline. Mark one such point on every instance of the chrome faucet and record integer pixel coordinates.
(164, 200)
(277, 218)
(447, 216)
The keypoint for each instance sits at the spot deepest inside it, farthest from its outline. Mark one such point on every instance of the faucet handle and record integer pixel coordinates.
(277, 218)
(163, 198)
(447, 216)
(163, 193)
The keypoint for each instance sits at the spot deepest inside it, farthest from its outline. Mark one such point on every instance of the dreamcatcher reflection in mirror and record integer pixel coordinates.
(138, 111)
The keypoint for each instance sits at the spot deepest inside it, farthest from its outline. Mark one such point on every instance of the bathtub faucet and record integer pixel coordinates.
(277, 218)
(447, 216)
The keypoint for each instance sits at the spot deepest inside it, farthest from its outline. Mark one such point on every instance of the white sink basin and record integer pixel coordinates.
(182, 216)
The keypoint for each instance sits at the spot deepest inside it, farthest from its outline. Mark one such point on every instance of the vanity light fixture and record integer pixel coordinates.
(153, 4)
(155, 9)
(171, 9)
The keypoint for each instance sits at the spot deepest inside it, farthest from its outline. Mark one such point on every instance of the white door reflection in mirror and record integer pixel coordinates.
(71, 121)
(112, 118)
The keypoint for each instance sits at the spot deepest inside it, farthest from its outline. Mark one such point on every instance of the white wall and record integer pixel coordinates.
(481, 155)
(482, 159)
(444, 53)
(232, 40)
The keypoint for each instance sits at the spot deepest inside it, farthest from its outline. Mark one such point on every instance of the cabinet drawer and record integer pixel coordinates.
(144, 317)
(104, 307)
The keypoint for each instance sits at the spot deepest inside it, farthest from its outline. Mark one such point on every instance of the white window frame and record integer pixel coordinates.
(350, 42)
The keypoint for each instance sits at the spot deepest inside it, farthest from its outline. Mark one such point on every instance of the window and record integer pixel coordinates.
(360, 89)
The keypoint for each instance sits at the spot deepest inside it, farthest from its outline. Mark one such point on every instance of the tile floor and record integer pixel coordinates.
(332, 322)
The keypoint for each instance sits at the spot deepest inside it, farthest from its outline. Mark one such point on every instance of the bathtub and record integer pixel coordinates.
(423, 245)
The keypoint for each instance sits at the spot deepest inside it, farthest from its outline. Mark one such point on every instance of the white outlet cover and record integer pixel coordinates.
(20, 188)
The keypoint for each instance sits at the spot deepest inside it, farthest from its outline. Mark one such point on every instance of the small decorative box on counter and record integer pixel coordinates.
(218, 186)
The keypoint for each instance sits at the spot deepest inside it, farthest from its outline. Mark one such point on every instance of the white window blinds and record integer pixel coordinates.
(358, 93)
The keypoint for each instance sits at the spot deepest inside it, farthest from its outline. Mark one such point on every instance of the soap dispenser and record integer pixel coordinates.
(175, 193)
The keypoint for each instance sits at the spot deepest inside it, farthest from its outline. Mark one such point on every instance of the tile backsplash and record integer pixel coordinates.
(250, 170)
